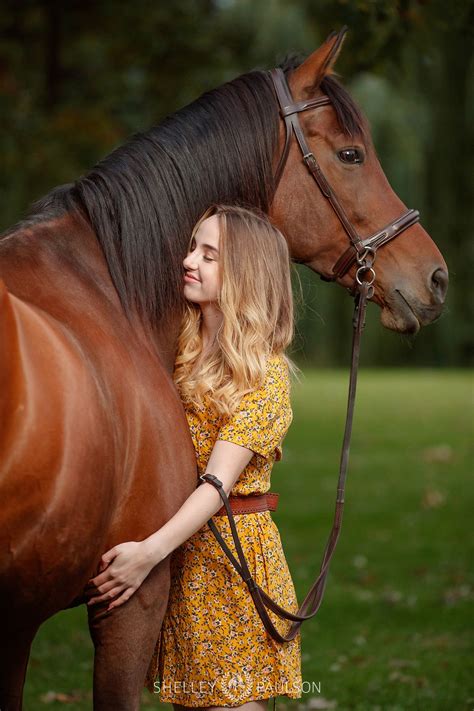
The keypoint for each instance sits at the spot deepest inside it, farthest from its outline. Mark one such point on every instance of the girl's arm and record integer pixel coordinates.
(227, 461)
(129, 563)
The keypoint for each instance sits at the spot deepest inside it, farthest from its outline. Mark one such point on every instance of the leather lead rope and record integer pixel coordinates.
(362, 252)
(313, 599)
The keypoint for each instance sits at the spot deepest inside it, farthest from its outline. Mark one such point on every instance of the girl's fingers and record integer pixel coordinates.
(108, 592)
(99, 580)
(105, 561)
(123, 598)
(106, 586)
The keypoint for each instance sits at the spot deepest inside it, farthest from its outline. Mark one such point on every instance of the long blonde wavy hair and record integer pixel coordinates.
(256, 301)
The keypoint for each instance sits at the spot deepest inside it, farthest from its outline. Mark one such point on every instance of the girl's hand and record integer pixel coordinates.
(123, 569)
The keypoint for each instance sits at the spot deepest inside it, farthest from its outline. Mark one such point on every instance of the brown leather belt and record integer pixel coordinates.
(252, 503)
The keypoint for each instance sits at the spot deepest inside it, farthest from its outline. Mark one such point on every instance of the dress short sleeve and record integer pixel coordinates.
(264, 415)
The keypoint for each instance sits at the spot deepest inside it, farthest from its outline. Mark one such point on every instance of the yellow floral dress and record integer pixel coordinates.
(213, 649)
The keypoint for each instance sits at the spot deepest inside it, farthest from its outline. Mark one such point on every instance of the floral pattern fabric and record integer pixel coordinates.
(213, 649)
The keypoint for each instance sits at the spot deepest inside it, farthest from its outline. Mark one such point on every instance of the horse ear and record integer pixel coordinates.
(308, 76)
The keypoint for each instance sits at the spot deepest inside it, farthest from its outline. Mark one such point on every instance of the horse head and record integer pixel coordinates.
(411, 274)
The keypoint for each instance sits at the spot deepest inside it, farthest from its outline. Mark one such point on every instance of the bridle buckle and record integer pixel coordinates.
(361, 258)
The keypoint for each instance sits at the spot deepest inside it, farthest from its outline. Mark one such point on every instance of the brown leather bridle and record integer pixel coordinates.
(362, 252)
(359, 248)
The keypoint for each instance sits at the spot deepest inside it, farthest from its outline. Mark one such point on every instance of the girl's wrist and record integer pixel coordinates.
(152, 551)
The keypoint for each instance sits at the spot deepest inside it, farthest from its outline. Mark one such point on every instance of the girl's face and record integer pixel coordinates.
(202, 280)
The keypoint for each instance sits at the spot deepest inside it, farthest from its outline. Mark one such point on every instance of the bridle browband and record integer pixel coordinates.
(362, 252)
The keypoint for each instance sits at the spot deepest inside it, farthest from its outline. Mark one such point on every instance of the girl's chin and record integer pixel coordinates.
(193, 299)
(202, 303)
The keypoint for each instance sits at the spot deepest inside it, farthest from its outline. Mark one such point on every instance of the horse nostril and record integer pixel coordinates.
(439, 284)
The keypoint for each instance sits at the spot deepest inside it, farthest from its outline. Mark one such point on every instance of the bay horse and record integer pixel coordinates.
(94, 444)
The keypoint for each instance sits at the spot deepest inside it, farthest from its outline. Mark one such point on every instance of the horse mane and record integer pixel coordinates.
(143, 199)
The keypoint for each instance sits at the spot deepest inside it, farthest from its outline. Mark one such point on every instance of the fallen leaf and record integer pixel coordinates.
(398, 663)
(452, 596)
(63, 698)
(432, 499)
(439, 453)
(391, 596)
(359, 561)
(401, 678)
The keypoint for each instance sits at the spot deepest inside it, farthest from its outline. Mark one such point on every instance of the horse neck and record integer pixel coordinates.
(58, 266)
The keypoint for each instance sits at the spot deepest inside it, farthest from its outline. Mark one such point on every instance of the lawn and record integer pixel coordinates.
(394, 632)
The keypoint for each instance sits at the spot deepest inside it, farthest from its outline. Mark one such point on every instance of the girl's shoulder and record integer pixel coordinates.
(276, 382)
(277, 367)
(264, 414)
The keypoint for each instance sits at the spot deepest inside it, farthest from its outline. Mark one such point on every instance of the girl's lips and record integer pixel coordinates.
(188, 277)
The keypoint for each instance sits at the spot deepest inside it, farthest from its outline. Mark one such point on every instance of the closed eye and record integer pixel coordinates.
(350, 156)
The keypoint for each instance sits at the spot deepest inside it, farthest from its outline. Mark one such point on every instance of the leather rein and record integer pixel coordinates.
(362, 252)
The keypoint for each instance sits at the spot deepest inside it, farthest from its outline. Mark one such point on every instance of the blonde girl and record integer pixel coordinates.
(233, 376)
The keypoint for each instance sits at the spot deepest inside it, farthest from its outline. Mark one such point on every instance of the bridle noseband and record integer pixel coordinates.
(361, 251)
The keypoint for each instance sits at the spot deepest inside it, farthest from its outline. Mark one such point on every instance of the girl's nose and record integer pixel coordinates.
(188, 262)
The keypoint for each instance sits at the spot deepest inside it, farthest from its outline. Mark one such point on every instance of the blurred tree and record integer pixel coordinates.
(78, 78)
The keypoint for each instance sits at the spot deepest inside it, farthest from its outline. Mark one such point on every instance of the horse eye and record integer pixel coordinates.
(350, 155)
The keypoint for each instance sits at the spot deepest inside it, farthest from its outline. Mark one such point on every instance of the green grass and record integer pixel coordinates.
(394, 632)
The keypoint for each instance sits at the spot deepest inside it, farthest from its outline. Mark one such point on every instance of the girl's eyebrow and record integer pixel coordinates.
(205, 246)
(209, 246)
